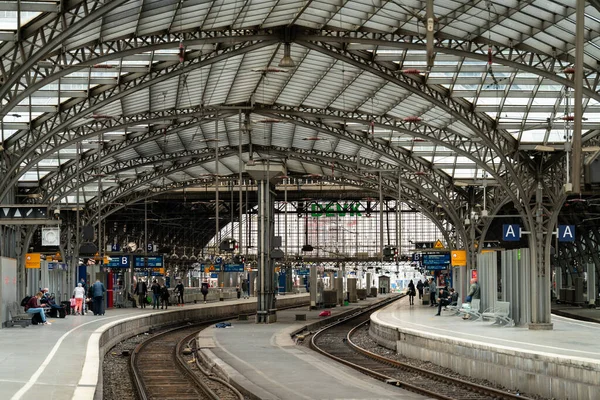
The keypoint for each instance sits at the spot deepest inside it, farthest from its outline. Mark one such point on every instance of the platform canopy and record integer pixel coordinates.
(155, 95)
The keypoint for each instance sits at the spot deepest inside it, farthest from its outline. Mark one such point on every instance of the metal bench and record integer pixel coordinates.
(18, 317)
(470, 310)
(499, 313)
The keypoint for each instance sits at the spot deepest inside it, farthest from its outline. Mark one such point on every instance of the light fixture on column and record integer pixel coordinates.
(287, 61)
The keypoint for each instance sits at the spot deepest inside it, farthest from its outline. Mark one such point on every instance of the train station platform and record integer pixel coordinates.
(63, 361)
(264, 361)
(560, 363)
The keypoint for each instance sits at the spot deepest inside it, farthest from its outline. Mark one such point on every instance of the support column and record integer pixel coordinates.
(266, 287)
(591, 284)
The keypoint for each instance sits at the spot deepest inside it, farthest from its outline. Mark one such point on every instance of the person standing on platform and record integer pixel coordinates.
(164, 297)
(432, 292)
(179, 289)
(79, 293)
(411, 293)
(238, 291)
(204, 290)
(141, 289)
(98, 293)
(245, 289)
(84, 305)
(474, 291)
(155, 288)
(420, 289)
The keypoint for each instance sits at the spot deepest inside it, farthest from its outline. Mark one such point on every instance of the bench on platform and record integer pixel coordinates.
(471, 310)
(499, 313)
(18, 317)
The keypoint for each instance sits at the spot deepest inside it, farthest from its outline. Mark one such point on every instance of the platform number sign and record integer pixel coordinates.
(150, 247)
(511, 232)
(566, 233)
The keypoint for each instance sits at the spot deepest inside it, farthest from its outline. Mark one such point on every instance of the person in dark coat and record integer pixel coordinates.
(411, 293)
(164, 297)
(204, 290)
(141, 289)
(179, 290)
(420, 289)
(246, 289)
(444, 298)
(98, 293)
(155, 294)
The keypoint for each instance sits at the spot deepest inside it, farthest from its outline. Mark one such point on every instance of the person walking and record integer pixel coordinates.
(164, 297)
(79, 293)
(179, 289)
(141, 289)
(420, 289)
(411, 293)
(155, 288)
(98, 290)
(204, 290)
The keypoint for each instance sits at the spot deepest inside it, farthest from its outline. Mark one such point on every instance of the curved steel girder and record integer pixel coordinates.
(500, 142)
(320, 159)
(481, 125)
(191, 159)
(178, 120)
(98, 52)
(24, 146)
(184, 119)
(474, 151)
(520, 57)
(45, 38)
(133, 197)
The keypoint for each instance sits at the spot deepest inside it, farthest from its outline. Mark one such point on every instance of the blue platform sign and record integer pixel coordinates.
(303, 272)
(436, 258)
(115, 247)
(150, 247)
(566, 233)
(233, 268)
(436, 267)
(153, 262)
(511, 232)
(118, 262)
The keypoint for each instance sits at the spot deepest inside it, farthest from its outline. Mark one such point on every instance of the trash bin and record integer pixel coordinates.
(425, 300)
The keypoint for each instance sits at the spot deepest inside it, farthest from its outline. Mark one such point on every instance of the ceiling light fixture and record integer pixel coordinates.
(287, 61)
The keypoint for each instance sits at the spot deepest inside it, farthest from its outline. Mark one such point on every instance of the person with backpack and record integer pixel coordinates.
(33, 306)
(156, 294)
(179, 289)
(164, 296)
(141, 289)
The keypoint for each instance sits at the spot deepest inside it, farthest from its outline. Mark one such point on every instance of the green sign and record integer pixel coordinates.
(333, 209)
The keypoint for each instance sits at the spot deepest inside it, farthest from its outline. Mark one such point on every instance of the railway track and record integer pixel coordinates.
(335, 341)
(160, 370)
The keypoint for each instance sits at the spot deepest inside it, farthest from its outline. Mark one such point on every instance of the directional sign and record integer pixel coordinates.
(119, 262)
(424, 245)
(511, 232)
(436, 258)
(459, 258)
(11, 212)
(233, 268)
(566, 233)
(153, 262)
(32, 260)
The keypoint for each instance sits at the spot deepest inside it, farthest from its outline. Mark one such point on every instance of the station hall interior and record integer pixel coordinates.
(284, 142)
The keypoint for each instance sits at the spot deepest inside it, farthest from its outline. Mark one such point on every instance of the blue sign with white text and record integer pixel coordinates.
(511, 232)
(233, 268)
(153, 262)
(566, 233)
(118, 262)
(435, 258)
(115, 247)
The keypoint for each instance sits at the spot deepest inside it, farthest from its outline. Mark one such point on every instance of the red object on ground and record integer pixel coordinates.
(325, 313)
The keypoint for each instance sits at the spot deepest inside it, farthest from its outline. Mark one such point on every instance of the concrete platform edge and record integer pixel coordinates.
(549, 375)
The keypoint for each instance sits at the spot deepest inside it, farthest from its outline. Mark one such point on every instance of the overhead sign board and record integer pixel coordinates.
(32, 260)
(436, 267)
(20, 212)
(424, 245)
(233, 268)
(458, 258)
(566, 233)
(119, 262)
(436, 258)
(153, 262)
(511, 232)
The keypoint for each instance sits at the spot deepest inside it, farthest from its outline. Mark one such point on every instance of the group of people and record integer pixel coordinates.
(444, 298)
(160, 294)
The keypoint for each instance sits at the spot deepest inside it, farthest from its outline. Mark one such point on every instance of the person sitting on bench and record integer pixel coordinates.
(34, 306)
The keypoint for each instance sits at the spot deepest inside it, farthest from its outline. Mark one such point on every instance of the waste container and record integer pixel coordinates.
(425, 300)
